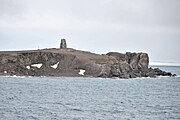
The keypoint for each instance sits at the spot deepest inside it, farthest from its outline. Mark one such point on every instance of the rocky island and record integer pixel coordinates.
(65, 61)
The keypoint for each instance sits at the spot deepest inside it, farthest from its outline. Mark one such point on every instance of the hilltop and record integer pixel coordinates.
(65, 61)
(71, 62)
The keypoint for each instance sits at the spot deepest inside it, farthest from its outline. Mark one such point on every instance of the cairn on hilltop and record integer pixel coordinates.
(63, 44)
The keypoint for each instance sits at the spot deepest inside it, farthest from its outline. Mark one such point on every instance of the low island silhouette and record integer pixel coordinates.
(65, 61)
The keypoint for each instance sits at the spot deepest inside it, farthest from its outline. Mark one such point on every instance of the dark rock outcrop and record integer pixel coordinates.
(71, 62)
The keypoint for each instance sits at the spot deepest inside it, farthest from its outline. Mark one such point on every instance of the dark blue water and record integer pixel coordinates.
(67, 98)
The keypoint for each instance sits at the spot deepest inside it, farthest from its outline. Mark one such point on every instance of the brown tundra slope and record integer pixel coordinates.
(71, 62)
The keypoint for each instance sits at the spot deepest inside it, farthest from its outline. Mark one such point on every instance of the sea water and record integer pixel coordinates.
(73, 98)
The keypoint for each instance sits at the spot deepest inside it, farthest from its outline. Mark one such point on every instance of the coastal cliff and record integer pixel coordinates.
(71, 62)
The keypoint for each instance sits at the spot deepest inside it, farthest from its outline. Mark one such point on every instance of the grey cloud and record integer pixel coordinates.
(11, 8)
(96, 25)
(132, 12)
(138, 12)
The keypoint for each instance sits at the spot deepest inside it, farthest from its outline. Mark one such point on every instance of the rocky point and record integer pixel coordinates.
(65, 61)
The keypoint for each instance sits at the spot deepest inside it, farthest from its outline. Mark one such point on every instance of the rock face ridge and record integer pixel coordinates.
(71, 62)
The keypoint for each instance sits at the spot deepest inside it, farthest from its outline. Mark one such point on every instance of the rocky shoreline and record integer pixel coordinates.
(74, 63)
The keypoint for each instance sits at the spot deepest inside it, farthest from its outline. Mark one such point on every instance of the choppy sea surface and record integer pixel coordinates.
(72, 98)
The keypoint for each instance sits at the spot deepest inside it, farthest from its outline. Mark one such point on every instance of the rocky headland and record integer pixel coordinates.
(70, 62)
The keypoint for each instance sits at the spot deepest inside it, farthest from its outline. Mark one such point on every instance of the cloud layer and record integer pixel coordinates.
(96, 25)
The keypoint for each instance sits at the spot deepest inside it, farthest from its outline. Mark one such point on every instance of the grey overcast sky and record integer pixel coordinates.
(100, 26)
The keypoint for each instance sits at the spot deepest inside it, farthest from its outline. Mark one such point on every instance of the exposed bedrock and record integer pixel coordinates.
(71, 62)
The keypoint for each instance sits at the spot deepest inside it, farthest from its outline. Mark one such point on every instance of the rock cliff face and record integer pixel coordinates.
(71, 62)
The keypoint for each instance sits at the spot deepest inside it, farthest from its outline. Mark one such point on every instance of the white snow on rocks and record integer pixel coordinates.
(81, 72)
(55, 65)
(37, 65)
(28, 67)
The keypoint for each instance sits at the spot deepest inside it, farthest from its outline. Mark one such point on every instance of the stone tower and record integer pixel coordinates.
(63, 44)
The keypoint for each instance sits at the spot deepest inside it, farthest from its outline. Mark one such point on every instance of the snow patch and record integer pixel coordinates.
(178, 76)
(5, 72)
(37, 65)
(55, 65)
(81, 72)
(28, 67)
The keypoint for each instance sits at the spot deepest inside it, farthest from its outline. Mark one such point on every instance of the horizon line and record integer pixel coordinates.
(160, 63)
